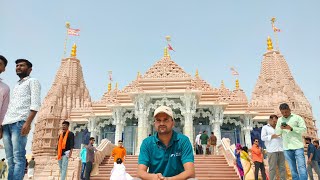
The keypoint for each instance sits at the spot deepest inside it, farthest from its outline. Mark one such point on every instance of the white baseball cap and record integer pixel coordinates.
(163, 109)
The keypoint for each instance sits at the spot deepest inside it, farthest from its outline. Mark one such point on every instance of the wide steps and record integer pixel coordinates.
(212, 167)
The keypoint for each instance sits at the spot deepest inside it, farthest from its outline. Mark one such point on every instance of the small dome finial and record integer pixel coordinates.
(197, 74)
(166, 52)
(116, 85)
(222, 84)
(269, 44)
(109, 87)
(237, 84)
(138, 75)
(74, 50)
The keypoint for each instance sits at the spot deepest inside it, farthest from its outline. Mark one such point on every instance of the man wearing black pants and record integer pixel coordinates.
(257, 158)
(90, 157)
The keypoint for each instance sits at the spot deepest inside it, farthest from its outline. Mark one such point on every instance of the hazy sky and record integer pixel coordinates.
(129, 36)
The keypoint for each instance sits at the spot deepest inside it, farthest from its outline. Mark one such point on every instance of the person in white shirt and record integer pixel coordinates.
(274, 145)
(198, 144)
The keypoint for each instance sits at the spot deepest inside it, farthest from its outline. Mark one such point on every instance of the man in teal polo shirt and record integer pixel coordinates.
(167, 154)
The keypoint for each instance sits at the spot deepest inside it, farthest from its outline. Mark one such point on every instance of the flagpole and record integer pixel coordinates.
(275, 32)
(66, 40)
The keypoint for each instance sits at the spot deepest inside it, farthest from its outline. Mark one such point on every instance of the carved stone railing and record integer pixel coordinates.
(104, 149)
(50, 168)
(226, 150)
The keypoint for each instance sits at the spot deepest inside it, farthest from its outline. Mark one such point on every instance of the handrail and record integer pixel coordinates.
(104, 149)
(228, 149)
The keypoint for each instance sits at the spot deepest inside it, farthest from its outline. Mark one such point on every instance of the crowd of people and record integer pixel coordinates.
(283, 138)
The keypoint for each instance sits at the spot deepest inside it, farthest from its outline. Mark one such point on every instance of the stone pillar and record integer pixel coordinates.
(247, 130)
(188, 126)
(216, 121)
(92, 123)
(119, 121)
(141, 111)
(189, 101)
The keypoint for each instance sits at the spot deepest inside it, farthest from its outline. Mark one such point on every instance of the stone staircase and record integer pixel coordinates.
(213, 167)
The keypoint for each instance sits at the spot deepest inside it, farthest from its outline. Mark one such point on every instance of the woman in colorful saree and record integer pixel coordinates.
(237, 153)
(246, 164)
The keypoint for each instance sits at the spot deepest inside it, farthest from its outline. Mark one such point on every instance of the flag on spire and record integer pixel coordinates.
(275, 29)
(234, 72)
(110, 75)
(170, 48)
(73, 32)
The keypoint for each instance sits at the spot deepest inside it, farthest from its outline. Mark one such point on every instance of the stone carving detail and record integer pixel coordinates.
(200, 84)
(164, 101)
(190, 103)
(166, 68)
(79, 128)
(104, 123)
(232, 121)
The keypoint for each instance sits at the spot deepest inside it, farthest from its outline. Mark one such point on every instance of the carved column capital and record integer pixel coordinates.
(190, 103)
(118, 116)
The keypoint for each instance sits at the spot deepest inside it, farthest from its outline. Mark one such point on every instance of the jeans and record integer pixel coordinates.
(15, 148)
(82, 169)
(257, 166)
(313, 165)
(63, 165)
(296, 158)
(277, 159)
(88, 170)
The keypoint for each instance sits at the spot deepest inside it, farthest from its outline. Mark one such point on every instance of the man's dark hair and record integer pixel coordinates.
(29, 64)
(91, 138)
(120, 141)
(211, 132)
(307, 139)
(316, 141)
(273, 116)
(284, 106)
(3, 159)
(204, 131)
(255, 139)
(32, 158)
(119, 161)
(66, 123)
(5, 61)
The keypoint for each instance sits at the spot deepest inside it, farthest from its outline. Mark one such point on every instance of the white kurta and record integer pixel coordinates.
(119, 173)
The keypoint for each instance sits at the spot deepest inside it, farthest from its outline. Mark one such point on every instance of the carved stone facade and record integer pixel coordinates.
(127, 114)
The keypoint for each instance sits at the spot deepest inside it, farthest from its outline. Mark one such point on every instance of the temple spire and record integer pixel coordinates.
(269, 44)
(116, 85)
(74, 50)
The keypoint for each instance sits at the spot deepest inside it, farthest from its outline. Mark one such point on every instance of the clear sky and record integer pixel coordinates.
(129, 36)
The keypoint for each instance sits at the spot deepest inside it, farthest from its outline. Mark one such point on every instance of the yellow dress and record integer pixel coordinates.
(247, 168)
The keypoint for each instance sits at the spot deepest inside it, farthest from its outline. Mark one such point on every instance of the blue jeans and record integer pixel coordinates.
(82, 169)
(296, 158)
(15, 148)
(63, 165)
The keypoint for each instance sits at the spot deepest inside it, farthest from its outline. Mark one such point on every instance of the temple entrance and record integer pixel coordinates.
(232, 132)
(201, 124)
(130, 136)
(108, 132)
